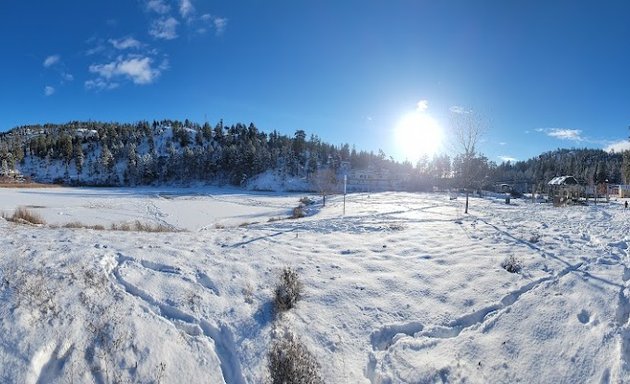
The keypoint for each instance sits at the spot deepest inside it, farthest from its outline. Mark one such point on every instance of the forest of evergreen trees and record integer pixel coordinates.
(171, 151)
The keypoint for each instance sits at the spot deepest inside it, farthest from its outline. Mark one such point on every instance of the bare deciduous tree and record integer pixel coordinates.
(467, 128)
(325, 181)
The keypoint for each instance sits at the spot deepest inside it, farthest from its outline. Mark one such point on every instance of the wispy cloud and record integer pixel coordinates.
(220, 23)
(422, 105)
(100, 84)
(618, 146)
(138, 69)
(51, 60)
(125, 43)
(165, 28)
(502, 143)
(564, 134)
(65, 76)
(505, 159)
(186, 9)
(158, 6)
(459, 109)
(48, 90)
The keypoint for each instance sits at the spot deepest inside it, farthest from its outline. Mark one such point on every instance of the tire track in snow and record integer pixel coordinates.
(221, 335)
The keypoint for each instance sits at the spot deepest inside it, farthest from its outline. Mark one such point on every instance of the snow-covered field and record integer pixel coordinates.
(404, 288)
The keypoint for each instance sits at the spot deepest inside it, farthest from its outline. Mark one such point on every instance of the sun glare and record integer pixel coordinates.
(418, 134)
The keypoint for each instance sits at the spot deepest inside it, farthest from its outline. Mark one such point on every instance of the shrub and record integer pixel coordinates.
(534, 238)
(23, 215)
(298, 212)
(306, 201)
(290, 362)
(288, 291)
(512, 264)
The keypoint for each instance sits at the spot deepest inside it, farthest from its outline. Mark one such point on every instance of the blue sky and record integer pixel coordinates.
(545, 74)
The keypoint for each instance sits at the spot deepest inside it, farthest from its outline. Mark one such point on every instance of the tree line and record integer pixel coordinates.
(142, 153)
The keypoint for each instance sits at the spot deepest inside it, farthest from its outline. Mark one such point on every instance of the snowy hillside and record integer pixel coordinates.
(171, 152)
(402, 289)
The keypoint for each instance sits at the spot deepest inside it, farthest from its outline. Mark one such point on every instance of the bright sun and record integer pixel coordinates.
(418, 134)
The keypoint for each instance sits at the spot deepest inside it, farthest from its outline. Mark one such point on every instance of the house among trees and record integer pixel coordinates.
(565, 190)
(622, 191)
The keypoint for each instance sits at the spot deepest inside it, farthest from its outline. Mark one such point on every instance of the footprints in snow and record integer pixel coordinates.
(221, 334)
(47, 364)
(384, 337)
(388, 335)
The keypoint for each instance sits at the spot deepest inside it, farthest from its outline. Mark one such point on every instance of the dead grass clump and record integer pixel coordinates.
(24, 216)
(138, 226)
(80, 225)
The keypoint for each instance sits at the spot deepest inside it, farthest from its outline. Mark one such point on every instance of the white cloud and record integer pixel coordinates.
(164, 28)
(125, 43)
(502, 143)
(565, 134)
(67, 76)
(136, 69)
(158, 6)
(422, 105)
(186, 9)
(220, 23)
(100, 84)
(48, 90)
(459, 110)
(51, 60)
(618, 146)
(505, 159)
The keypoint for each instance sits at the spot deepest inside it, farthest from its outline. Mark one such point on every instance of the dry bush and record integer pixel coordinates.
(298, 212)
(288, 291)
(23, 215)
(290, 362)
(512, 264)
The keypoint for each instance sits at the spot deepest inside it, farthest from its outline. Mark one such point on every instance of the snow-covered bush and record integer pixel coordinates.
(512, 264)
(288, 291)
(290, 362)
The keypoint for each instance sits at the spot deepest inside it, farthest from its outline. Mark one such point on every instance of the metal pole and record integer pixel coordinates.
(345, 183)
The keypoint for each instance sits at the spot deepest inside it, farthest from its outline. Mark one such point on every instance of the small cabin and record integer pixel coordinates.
(565, 190)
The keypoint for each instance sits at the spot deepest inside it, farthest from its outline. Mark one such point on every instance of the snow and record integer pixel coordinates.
(404, 288)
